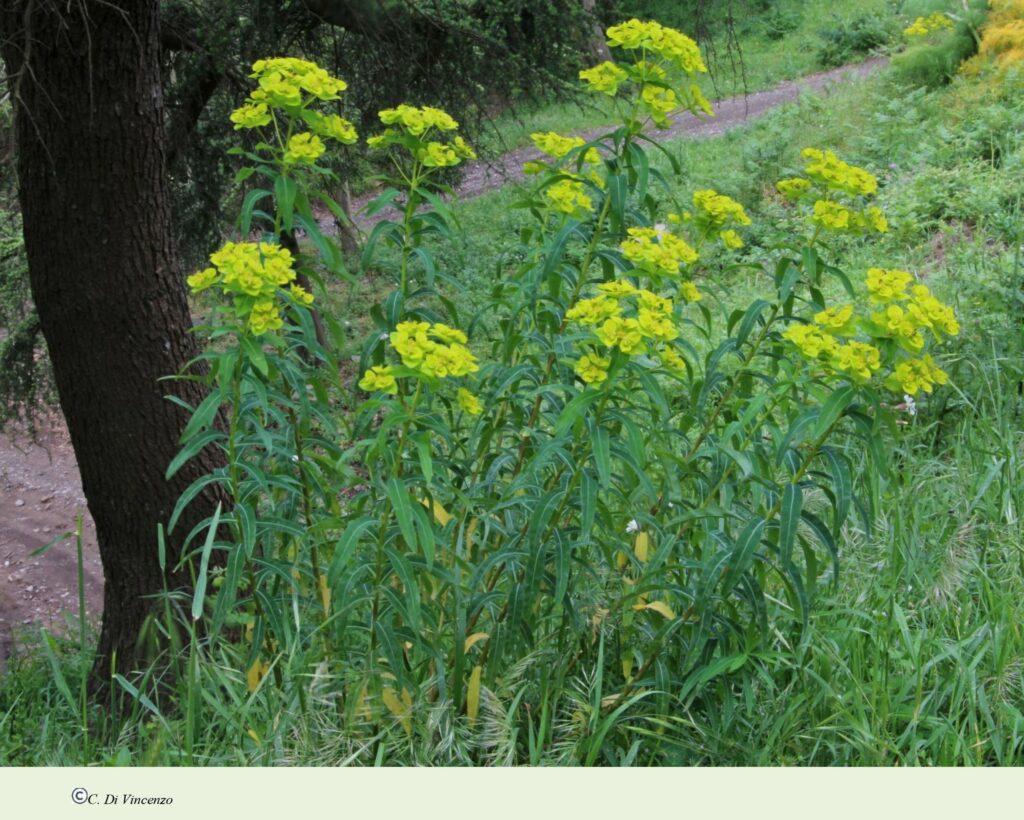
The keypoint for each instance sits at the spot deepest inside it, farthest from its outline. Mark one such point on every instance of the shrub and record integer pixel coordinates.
(557, 519)
(846, 40)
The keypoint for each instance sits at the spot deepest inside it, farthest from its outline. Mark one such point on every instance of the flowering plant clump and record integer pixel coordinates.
(610, 475)
(660, 78)
(839, 191)
(930, 24)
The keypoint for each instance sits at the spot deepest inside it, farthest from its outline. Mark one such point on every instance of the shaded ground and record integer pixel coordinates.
(40, 490)
(40, 497)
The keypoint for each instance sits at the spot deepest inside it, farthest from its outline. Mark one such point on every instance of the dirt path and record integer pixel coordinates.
(40, 497)
(40, 490)
(485, 175)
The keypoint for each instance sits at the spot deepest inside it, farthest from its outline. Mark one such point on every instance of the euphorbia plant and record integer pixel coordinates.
(606, 484)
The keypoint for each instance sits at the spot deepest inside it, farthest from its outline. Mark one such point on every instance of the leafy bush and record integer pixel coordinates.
(934, 60)
(846, 40)
(599, 497)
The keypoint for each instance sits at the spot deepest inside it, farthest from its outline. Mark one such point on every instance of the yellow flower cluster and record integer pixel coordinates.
(569, 196)
(593, 369)
(650, 321)
(291, 84)
(653, 38)
(468, 402)
(713, 212)
(923, 26)
(412, 126)
(303, 149)
(605, 78)
(381, 377)
(435, 350)
(253, 274)
(1002, 36)
(839, 190)
(913, 375)
(657, 251)
(663, 51)
(557, 146)
(908, 310)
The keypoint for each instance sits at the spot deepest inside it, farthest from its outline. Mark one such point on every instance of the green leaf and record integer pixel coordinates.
(285, 191)
(742, 555)
(575, 409)
(199, 596)
(346, 546)
(402, 506)
(789, 520)
(248, 205)
(833, 409)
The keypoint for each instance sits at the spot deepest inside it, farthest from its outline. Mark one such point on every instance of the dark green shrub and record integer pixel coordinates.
(846, 40)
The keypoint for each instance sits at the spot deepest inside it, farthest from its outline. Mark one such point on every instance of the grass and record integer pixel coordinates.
(774, 42)
(913, 653)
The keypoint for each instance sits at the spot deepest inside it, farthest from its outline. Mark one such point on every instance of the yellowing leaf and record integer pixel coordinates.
(440, 513)
(256, 673)
(401, 708)
(660, 607)
(253, 735)
(473, 694)
(474, 639)
(641, 546)
(470, 532)
(325, 595)
(627, 666)
(620, 560)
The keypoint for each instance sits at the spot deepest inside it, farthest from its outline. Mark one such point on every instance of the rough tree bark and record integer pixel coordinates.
(89, 128)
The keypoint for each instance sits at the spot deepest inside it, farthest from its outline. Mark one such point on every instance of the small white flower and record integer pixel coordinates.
(295, 458)
(383, 336)
(632, 526)
(910, 404)
(661, 229)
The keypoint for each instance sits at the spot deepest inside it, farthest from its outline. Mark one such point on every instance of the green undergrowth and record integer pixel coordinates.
(912, 655)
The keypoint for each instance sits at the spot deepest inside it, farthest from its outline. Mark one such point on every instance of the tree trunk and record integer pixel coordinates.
(86, 83)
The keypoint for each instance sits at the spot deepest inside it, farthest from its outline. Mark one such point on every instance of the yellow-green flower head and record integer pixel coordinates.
(252, 269)
(654, 324)
(336, 128)
(731, 239)
(300, 294)
(903, 325)
(876, 219)
(914, 375)
(857, 359)
(625, 334)
(593, 311)
(885, 285)
(654, 303)
(264, 317)
(618, 289)
(203, 279)
(793, 188)
(380, 378)
(569, 196)
(437, 155)
(557, 146)
(671, 45)
(833, 216)
(659, 103)
(303, 149)
(468, 402)
(418, 346)
(923, 26)
(593, 369)
(825, 168)
(941, 316)
(672, 361)
(301, 76)
(811, 340)
(463, 149)
(417, 121)
(604, 78)
(715, 210)
(689, 292)
(251, 115)
(836, 320)
(657, 251)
